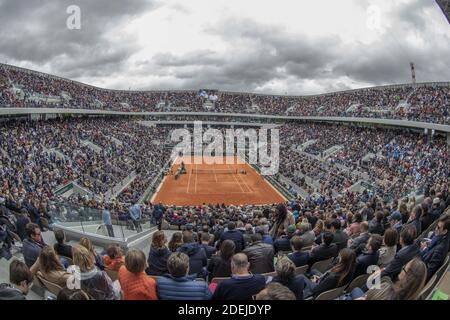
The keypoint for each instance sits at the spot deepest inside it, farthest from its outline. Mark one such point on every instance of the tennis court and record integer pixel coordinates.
(216, 183)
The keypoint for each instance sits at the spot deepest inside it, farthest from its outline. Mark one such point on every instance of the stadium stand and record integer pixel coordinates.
(428, 102)
(346, 184)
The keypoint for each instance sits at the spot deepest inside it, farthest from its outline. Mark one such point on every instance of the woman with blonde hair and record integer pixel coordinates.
(411, 203)
(285, 270)
(411, 281)
(50, 268)
(319, 229)
(94, 282)
(403, 209)
(85, 242)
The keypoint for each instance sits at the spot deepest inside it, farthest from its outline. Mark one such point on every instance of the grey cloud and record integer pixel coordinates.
(258, 54)
(36, 32)
(202, 57)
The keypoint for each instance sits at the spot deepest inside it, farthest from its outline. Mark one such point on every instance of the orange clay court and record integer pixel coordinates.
(215, 184)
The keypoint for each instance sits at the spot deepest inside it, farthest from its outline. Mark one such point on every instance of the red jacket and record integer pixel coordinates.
(137, 286)
(113, 264)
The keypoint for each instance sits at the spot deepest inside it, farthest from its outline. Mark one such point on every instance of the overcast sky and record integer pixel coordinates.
(268, 46)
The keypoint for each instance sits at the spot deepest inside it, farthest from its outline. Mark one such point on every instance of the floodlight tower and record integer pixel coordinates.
(413, 72)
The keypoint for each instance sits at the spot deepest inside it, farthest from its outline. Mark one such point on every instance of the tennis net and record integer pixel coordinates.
(215, 171)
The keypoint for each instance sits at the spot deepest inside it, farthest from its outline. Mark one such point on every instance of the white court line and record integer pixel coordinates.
(215, 177)
(238, 183)
(195, 179)
(244, 182)
(189, 181)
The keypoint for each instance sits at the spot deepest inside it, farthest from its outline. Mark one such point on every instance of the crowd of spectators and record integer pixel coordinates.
(257, 248)
(244, 253)
(428, 103)
(391, 161)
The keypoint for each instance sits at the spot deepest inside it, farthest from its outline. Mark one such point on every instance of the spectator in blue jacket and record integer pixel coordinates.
(234, 235)
(209, 250)
(158, 255)
(21, 223)
(395, 221)
(20, 279)
(242, 285)
(283, 243)
(414, 219)
(369, 256)
(264, 231)
(285, 269)
(298, 257)
(135, 215)
(158, 213)
(33, 244)
(433, 253)
(359, 243)
(196, 253)
(106, 216)
(408, 251)
(178, 285)
(376, 224)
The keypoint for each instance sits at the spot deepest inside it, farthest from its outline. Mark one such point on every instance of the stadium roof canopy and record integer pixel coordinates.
(445, 6)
